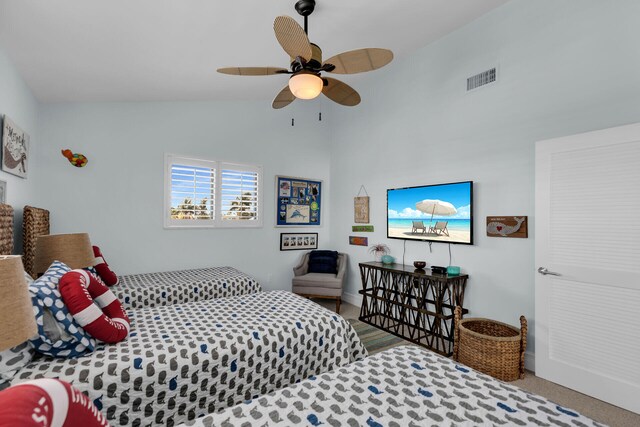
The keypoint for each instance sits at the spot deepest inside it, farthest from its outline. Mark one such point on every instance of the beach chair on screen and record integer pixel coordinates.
(440, 228)
(418, 225)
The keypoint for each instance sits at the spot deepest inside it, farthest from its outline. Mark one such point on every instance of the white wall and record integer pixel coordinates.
(565, 67)
(18, 103)
(118, 196)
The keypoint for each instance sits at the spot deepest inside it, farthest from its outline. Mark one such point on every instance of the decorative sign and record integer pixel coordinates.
(299, 202)
(361, 228)
(361, 209)
(507, 226)
(298, 241)
(15, 149)
(358, 241)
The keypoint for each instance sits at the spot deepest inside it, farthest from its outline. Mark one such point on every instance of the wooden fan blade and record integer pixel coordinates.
(292, 37)
(341, 93)
(361, 60)
(252, 71)
(284, 98)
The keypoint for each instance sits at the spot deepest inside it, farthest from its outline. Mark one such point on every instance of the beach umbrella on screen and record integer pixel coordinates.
(436, 207)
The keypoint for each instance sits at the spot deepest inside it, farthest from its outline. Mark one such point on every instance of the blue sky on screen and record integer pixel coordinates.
(402, 202)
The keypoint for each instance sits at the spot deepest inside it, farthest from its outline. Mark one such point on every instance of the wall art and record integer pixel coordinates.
(507, 226)
(299, 202)
(362, 228)
(358, 241)
(15, 149)
(298, 241)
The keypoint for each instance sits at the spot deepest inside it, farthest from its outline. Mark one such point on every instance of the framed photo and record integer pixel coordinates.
(298, 241)
(3, 192)
(298, 202)
(15, 149)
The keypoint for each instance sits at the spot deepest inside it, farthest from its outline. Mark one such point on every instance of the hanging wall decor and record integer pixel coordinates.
(15, 149)
(361, 228)
(507, 226)
(299, 201)
(358, 241)
(76, 159)
(361, 207)
(3, 192)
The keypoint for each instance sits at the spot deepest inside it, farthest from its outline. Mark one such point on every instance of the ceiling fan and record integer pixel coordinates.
(306, 66)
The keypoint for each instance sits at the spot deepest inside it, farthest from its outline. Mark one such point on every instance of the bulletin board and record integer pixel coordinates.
(299, 202)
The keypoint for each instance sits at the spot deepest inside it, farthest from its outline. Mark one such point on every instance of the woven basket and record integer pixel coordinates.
(495, 348)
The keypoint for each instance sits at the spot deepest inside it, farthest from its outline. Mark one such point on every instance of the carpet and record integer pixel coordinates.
(375, 340)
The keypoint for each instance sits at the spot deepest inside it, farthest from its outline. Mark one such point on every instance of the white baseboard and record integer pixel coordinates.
(530, 361)
(353, 299)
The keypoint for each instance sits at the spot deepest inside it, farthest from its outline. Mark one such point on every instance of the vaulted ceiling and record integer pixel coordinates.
(168, 50)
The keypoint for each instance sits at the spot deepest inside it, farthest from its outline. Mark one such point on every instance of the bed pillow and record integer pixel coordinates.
(102, 268)
(58, 333)
(323, 262)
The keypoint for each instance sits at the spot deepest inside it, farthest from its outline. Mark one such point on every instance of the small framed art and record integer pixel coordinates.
(298, 241)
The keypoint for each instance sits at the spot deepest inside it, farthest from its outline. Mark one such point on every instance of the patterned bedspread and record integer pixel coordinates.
(186, 360)
(177, 287)
(403, 386)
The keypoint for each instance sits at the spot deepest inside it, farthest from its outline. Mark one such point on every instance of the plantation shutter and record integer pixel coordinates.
(239, 193)
(193, 192)
(206, 193)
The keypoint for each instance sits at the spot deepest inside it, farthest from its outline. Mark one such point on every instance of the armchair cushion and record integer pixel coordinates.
(323, 262)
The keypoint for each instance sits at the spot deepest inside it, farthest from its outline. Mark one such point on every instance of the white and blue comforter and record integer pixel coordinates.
(178, 287)
(400, 387)
(187, 360)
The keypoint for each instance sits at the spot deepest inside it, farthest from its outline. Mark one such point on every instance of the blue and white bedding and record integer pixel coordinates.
(186, 360)
(177, 287)
(400, 387)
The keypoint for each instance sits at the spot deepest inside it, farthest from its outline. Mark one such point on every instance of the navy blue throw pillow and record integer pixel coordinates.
(323, 262)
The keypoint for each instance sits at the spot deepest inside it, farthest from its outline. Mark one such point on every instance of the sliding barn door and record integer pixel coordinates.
(588, 264)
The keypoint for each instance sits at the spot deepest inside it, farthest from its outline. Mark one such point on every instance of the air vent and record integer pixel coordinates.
(481, 79)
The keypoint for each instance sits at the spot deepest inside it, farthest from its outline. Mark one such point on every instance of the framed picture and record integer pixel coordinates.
(15, 149)
(298, 202)
(298, 241)
(3, 192)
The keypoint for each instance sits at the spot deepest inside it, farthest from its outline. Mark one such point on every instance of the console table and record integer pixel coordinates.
(415, 305)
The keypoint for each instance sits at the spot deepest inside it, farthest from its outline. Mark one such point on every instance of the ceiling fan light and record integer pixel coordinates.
(305, 85)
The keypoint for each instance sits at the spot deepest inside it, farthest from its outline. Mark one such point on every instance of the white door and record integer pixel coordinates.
(587, 325)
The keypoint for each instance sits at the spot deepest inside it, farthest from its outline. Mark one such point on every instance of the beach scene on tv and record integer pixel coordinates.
(434, 212)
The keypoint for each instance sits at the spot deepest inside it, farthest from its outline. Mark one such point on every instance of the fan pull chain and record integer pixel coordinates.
(320, 116)
(292, 121)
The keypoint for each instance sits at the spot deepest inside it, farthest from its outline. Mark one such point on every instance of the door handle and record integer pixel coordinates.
(545, 272)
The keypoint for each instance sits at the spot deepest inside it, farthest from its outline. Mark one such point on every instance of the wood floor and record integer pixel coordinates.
(594, 408)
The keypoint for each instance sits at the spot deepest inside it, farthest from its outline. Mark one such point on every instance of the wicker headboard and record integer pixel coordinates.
(35, 223)
(6, 230)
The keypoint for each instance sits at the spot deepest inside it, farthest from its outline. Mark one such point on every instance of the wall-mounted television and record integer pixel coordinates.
(433, 213)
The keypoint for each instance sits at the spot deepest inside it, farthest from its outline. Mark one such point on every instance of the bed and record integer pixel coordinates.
(151, 289)
(177, 287)
(403, 386)
(185, 360)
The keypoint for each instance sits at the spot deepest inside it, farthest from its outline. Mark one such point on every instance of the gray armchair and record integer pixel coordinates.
(320, 285)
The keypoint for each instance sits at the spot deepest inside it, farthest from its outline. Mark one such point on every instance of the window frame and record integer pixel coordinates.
(218, 221)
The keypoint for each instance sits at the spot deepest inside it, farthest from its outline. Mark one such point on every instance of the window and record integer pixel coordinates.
(206, 193)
